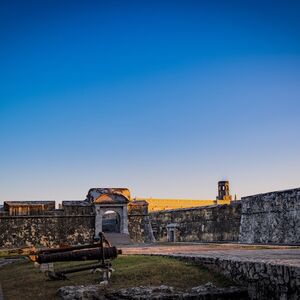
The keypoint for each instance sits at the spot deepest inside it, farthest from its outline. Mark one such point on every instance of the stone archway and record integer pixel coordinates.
(120, 209)
(111, 222)
(110, 200)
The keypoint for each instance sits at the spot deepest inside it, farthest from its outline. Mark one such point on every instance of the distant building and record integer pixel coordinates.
(223, 191)
(223, 197)
(25, 208)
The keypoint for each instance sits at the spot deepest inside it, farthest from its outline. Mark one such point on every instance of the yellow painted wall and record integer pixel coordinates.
(164, 204)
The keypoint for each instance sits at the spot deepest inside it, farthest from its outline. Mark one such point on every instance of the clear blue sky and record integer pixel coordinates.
(163, 97)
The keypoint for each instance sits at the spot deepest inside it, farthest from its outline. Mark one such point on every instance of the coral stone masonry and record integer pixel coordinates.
(271, 218)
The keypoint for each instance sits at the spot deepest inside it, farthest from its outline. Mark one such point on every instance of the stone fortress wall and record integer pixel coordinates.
(265, 218)
(73, 224)
(208, 224)
(38, 223)
(46, 230)
(139, 225)
(271, 218)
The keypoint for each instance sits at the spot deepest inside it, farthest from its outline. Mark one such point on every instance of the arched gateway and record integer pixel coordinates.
(110, 201)
(111, 222)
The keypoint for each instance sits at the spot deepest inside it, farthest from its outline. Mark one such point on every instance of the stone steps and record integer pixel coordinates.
(117, 239)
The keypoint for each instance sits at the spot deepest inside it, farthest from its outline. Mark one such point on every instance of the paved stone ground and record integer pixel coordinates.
(277, 255)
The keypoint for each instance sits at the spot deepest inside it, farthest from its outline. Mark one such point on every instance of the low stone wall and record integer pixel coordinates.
(265, 281)
(205, 223)
(271, 218)
(46, 230)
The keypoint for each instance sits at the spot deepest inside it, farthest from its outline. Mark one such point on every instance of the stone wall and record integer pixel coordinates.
(19, 231)
(206, 223)
(139, 226)
(77, 208)
(271, 218)
(266, 218)
(74, 224)
(265, 281)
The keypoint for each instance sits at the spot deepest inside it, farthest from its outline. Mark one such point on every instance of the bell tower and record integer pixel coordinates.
(223, 191)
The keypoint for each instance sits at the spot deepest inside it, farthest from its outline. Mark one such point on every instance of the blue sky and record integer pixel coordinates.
(163, 97)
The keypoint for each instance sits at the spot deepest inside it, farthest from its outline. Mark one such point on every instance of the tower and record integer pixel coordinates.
(223, 191)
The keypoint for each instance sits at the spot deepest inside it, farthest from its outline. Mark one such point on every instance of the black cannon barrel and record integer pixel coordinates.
(77, 255)
(67, 249)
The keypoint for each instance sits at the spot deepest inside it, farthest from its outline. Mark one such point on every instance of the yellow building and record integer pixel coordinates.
(165, 204)
(223, 197)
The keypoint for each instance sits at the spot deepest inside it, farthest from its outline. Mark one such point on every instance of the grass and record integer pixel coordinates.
(4, 253)
(22, 281)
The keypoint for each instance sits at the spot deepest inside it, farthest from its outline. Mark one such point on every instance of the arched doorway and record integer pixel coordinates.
(111, 222)
(114, 202)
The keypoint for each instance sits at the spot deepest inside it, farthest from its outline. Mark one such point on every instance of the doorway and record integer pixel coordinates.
(111, 222)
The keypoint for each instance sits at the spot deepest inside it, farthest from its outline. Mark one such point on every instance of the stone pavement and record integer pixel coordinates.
(282, 255)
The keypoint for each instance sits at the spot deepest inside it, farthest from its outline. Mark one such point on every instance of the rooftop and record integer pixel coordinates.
(35, 202)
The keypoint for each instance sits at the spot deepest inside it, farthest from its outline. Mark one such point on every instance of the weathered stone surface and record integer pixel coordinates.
(271, 218)
(81, 292)
(46, 230)
(73, 224)
(207, 291)
(106, 194)
(139, 224)
(208, 224)
(77, 208)
(266, 218)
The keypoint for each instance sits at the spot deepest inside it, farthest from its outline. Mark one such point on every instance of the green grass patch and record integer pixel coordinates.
(4, 253)
(22, 281)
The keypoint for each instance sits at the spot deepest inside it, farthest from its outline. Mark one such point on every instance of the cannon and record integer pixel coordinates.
(78, 255)
(102, 251)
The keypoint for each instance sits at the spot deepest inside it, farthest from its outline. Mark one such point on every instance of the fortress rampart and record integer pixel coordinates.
(271, 218)
(208, 223)
(46, 230)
